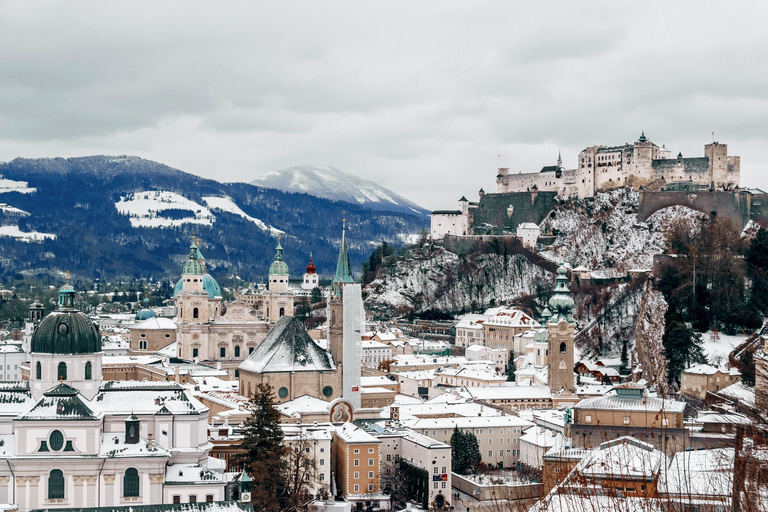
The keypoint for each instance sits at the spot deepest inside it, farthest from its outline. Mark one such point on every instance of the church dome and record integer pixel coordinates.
(144, 314)
(209, 285)
(278, 267)
(311, 268)
(66, 330)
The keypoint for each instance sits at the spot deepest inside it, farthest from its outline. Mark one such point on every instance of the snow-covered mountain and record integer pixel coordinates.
(331, 183)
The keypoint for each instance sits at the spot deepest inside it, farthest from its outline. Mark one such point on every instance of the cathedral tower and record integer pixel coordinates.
(561, 328)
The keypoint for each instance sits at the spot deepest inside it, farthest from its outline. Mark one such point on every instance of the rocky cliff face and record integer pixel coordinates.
(432, 277)
(650, 330)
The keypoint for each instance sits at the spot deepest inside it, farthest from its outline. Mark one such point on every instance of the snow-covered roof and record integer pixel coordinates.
(376, 381)
(467, 422)
(510, 393)
(648, 403)
(623, 458)
(350, 433)
(699, 473)
(543, 438)
(528, 225)
(288, 348)
(303, 404)
(704, 369)
(146, 398)
(114, 445)
(740, 392)
(192, 474)
(155, 323)
(471, 321)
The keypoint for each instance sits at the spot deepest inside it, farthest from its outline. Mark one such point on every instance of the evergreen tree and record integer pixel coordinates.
(316, 295)
(624, 370)
(263, 456)
(459, 462)
(473, 452)
(607, 380)
(511, 369)
(682, 345)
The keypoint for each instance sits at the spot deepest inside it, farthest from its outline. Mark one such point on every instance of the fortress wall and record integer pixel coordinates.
(494, 209)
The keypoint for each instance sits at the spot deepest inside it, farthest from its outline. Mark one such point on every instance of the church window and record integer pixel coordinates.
(195, 313)
(282, 311)
(194, 352)
(237, 350)
(237, 372)
(328, 391)
(56, 485)
(39, 370)
(62, 372)
(563, 348)
(250, 350)
(131, 483)
(88, 371)
(56, 440)
(282, 392)
(223, 352)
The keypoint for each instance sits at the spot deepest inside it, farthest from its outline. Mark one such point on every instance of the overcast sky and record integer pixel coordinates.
(421, 97)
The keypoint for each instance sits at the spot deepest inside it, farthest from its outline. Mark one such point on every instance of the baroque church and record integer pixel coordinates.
(295, 365)
(69, 439)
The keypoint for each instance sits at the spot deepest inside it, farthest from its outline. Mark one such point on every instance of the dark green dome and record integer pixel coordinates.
(67, 330)
(278, 267)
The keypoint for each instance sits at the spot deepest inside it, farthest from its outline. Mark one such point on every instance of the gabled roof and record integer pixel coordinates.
(60, 403)
(288, 348)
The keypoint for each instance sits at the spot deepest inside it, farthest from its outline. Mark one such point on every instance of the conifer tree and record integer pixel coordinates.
(511, 369)
(263, 456)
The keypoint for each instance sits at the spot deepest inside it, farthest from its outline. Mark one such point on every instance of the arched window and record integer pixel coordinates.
(39, 370)
(237, 350)
(62, 373)
(131, 483)
(56, 485)
(563, 348)
(282, 311)
(88, 371)
(195, 313)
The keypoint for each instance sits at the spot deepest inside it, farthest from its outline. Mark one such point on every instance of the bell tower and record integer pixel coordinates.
(561, 329)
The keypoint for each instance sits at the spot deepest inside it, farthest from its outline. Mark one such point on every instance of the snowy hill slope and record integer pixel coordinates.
(331, 183)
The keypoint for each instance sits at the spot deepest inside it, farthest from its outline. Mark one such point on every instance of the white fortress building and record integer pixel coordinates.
(638, 164)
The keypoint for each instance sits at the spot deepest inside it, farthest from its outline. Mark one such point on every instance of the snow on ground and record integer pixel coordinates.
(12, 210)
(605, 236)
(15, 186)
(228, 205)
(717, 350)
(142, 207)
(32, 236)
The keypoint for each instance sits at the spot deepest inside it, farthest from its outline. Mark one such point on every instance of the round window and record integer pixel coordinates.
(56, 440)
(63, 329)
(327, 390)
(282, 392)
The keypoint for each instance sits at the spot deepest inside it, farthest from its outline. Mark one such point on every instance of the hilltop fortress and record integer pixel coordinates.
(641, 164)
(709, 184)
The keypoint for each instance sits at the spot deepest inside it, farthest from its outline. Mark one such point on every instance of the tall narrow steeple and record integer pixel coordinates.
(559, 159)
(343, 271)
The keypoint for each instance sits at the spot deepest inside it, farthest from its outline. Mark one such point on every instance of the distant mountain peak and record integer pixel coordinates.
(328, 182)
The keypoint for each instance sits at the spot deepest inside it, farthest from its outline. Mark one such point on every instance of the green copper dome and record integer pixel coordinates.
(278, 267)
(195, 266)
(144, 314)
(561, 302)
(66, 330)
(209, 285)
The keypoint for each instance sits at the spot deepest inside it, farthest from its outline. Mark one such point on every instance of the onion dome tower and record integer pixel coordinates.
(311, 279)
(278, 271)
(66, 348)
(561, 330)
